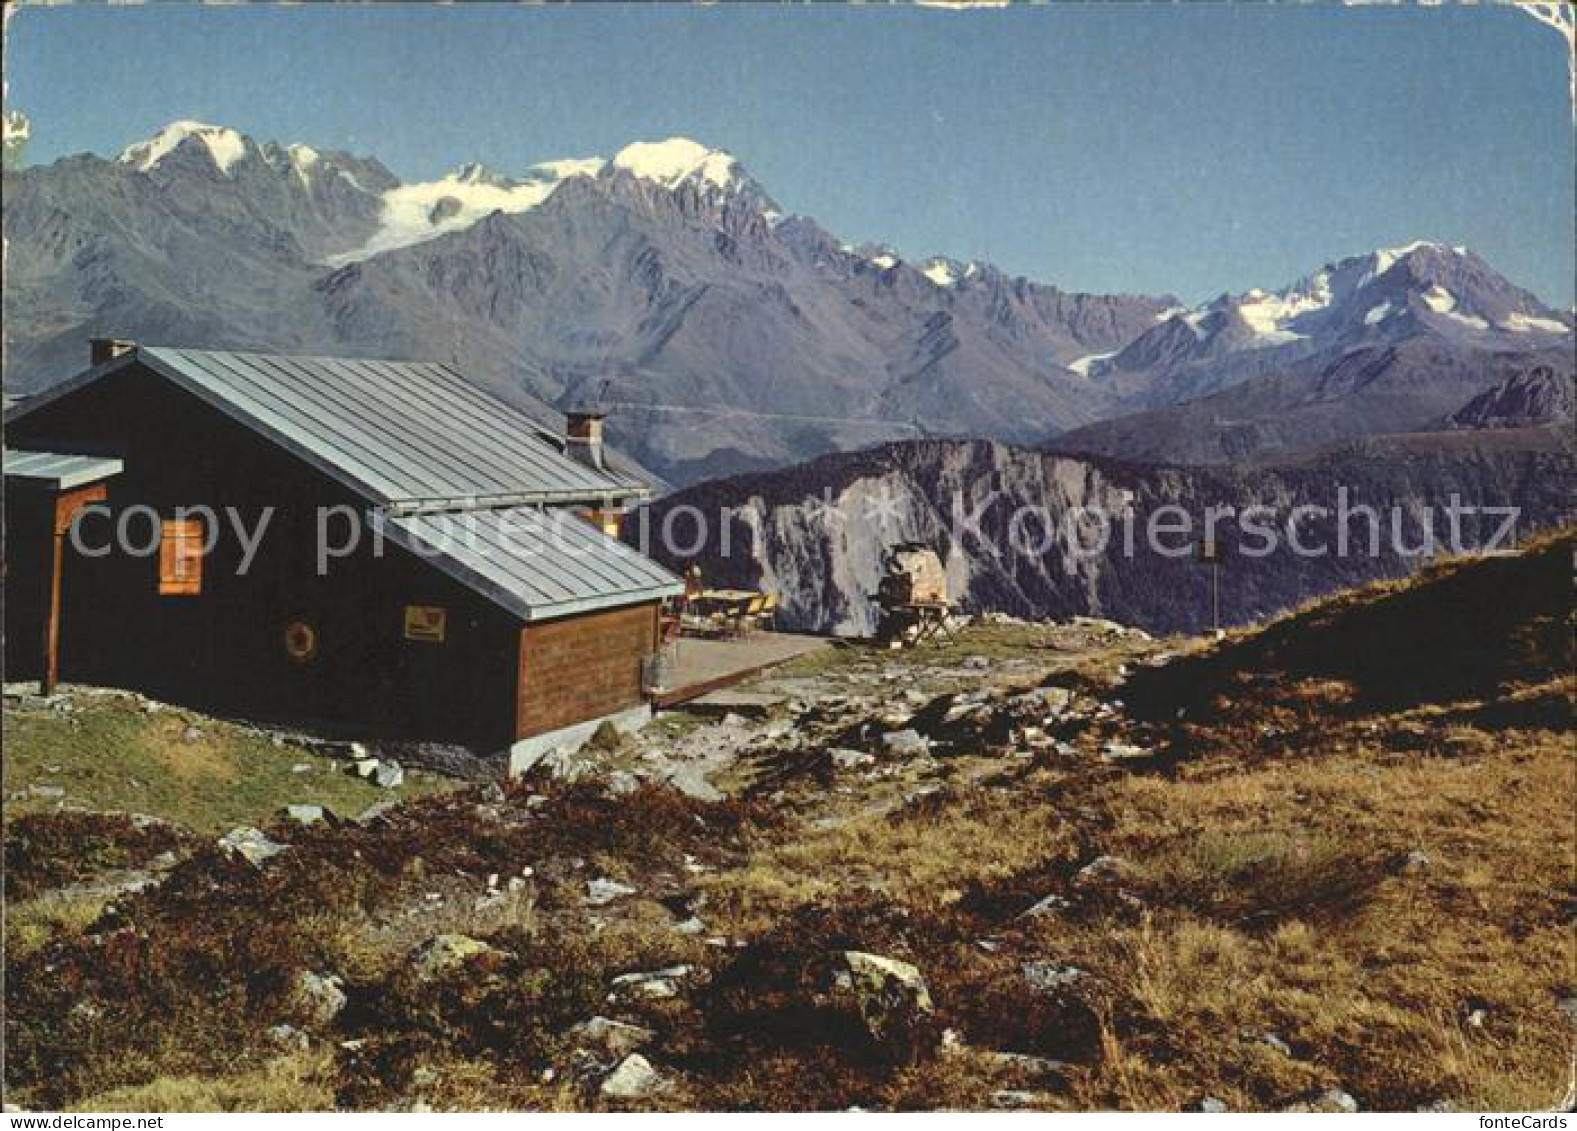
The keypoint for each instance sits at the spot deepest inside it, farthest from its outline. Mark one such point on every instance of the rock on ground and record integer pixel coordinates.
(443, 953)
(251, 844)
(1012, 1099)
(1105, 870)
(633, 1078)
(316, 999)
(603, 891)
(892, 996)
(906, 743)
(662, 983)
(613, 1039)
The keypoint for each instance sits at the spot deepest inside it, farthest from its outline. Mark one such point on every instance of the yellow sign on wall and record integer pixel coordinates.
(427, 623)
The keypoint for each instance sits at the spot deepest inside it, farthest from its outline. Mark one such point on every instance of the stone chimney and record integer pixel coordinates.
(108, 349)
(583, 436)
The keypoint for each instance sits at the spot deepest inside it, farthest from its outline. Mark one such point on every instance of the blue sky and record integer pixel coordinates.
(1118, 147)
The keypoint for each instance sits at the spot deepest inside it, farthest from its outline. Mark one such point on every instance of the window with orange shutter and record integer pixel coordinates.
(181, 556)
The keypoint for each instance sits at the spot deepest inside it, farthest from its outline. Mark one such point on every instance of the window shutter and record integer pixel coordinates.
(181, 557)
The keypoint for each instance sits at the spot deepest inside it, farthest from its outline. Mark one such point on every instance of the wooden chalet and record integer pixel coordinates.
(483, 602)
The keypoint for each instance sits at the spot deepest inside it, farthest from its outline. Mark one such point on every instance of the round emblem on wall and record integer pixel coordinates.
(301, 640)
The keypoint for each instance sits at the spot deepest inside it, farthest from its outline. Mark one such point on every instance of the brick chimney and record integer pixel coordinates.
(583, 436)
(108, 349)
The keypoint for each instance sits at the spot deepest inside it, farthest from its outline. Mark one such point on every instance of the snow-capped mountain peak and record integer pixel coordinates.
(566, 168)
(677, 161)
(415, 213)
(475, 173)
(302, 158)
(1383, 259)
(1381, 295)
(224, 145)
(1370, 289)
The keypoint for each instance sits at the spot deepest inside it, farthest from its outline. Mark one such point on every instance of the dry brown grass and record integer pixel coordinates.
(300, 1082)
(926, 854)
(1268, 940)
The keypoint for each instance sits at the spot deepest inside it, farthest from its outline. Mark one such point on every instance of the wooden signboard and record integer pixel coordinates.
(427, 623)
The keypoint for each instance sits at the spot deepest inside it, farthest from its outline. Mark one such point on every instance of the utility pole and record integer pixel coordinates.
(1209, 552)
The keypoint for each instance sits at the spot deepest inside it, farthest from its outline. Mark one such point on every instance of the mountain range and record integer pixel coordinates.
(724, 333)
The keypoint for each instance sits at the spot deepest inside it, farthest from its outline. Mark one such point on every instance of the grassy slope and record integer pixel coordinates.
(112, 758)
(1268, 891)
(202, 774)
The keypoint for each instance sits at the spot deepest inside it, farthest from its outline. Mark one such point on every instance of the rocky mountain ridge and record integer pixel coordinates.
(1020, 531)
(726, 333)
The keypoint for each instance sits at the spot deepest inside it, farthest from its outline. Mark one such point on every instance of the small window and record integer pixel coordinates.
(181, 557)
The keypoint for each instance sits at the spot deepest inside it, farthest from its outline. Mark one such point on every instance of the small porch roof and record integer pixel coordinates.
(60, 471)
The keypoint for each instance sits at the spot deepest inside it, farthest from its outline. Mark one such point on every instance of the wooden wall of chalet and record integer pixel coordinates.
(223, 649)
(29, 510)
(583, 667)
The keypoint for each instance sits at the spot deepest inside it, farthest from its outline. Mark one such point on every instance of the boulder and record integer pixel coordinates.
(1050, 905)
(1124, 752)
(662, 983)
(1050, 704)
(1105, 870)
(622, 783)
(632, 1079)
(442, 954)
(1013, 1099)
(1048, 977)
(612, 1039)
(603, 891)
(1041, 1068)
(388, 775)
(315, 999)
(1330, 1100)
(251, 844)
(906, 743)
(562, 765)
(288, 1038)
(1334, 1099)
(894, 1001)
(305, 814)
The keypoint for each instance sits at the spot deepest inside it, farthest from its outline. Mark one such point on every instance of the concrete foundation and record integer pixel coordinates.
(527, 752)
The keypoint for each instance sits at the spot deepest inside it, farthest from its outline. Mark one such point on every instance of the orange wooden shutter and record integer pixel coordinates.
(181, 556)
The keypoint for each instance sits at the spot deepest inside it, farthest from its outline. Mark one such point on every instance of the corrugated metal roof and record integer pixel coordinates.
(537, 564)
(444, 465)
(62, 471)
(410, 435)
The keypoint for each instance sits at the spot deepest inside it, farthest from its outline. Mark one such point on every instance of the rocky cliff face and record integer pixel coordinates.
(1546, 394)
(1017, 533)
